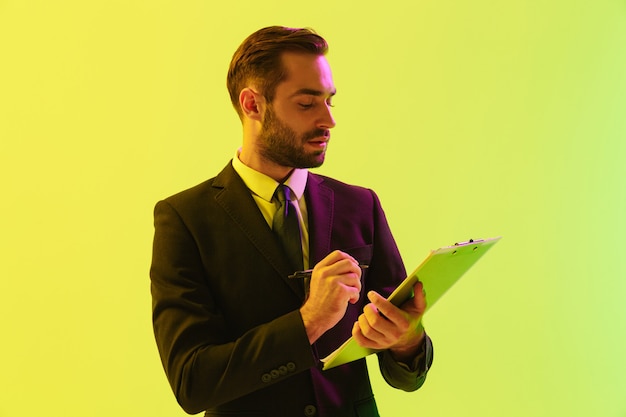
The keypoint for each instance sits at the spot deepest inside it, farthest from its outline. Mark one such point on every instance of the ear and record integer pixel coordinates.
(251, 104)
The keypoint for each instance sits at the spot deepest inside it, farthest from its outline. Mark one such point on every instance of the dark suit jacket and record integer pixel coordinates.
(226, 317)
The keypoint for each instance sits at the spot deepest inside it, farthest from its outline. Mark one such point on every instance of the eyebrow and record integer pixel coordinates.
(312, 92)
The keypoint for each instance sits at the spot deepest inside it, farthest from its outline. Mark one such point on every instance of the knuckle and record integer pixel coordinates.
(367, 332)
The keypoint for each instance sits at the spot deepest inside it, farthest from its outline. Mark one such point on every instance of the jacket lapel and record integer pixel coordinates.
(236, 200)
(320, 206)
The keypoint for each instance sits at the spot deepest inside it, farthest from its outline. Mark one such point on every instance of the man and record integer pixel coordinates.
(235, 334)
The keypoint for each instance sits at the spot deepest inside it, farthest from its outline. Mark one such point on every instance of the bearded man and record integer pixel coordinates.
(236, 335)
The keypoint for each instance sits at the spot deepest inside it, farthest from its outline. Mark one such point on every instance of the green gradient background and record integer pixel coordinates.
(470, 119)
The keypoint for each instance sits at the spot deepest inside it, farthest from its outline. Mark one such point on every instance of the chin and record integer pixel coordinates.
(317, 162)
(318, 158)
(310, 160)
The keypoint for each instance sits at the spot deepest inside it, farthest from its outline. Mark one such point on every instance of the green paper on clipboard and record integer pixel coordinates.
(438, 272)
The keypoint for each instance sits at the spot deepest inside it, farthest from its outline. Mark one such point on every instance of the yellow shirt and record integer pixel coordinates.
(262, 189)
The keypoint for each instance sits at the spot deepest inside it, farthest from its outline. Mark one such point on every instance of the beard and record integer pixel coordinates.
(280, 144)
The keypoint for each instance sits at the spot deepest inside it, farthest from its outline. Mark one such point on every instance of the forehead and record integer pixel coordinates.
(306, 72)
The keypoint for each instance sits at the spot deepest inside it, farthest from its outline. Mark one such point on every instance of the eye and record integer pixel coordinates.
(305, 105)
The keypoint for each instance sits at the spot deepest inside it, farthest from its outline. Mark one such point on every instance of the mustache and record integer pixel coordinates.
(316, 133)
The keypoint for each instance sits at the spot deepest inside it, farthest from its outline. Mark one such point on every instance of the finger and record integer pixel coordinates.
(329, 259)
(420, 296)
(385, 308)
(370, 332)
(357, 334)
(336, 256)
(339, 267)
(348, 265)
(354, 294)
(359, 337)
(350, 275)
(377, 321)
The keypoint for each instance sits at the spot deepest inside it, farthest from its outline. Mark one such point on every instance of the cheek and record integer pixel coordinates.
(299, 123)
(297, 127)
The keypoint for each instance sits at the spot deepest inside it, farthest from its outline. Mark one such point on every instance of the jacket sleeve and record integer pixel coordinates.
(205, 364)
(407, 377)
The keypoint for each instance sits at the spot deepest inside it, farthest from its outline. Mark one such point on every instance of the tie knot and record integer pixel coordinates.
(283, 193)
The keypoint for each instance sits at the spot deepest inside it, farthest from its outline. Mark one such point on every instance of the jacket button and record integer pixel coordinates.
(274, 373)
(282, 370)
(291, 366)
(266, 378)
(310, 410)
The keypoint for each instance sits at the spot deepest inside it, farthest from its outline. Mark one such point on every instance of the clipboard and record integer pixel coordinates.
(441, 269)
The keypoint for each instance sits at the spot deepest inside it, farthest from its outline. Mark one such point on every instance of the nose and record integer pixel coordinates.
(327, 121)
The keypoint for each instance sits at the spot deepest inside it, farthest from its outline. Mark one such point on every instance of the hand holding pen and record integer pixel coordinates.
(335, 282)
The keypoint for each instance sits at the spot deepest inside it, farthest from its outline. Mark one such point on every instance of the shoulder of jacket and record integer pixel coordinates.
(337, 184)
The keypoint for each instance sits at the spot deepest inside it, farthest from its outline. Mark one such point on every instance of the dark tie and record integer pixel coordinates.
(287, 227)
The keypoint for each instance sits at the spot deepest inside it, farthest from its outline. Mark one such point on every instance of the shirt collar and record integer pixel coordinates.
(264, 186)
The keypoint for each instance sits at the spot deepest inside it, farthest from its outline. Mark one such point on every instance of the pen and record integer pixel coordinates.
(307, 273)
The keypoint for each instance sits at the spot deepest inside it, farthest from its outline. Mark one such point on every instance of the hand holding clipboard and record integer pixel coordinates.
(441, 269)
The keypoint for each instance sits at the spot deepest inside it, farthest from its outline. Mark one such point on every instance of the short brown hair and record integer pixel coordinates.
(258, 59)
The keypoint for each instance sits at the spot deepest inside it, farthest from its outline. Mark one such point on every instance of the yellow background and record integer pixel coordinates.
(469, 118)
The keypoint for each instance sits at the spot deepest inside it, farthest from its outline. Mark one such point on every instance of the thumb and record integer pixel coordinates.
(419, 297)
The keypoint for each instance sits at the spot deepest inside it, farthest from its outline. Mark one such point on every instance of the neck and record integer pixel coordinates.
(257, 162)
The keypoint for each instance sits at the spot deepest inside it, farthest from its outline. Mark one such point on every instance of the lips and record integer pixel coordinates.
(318, 142)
